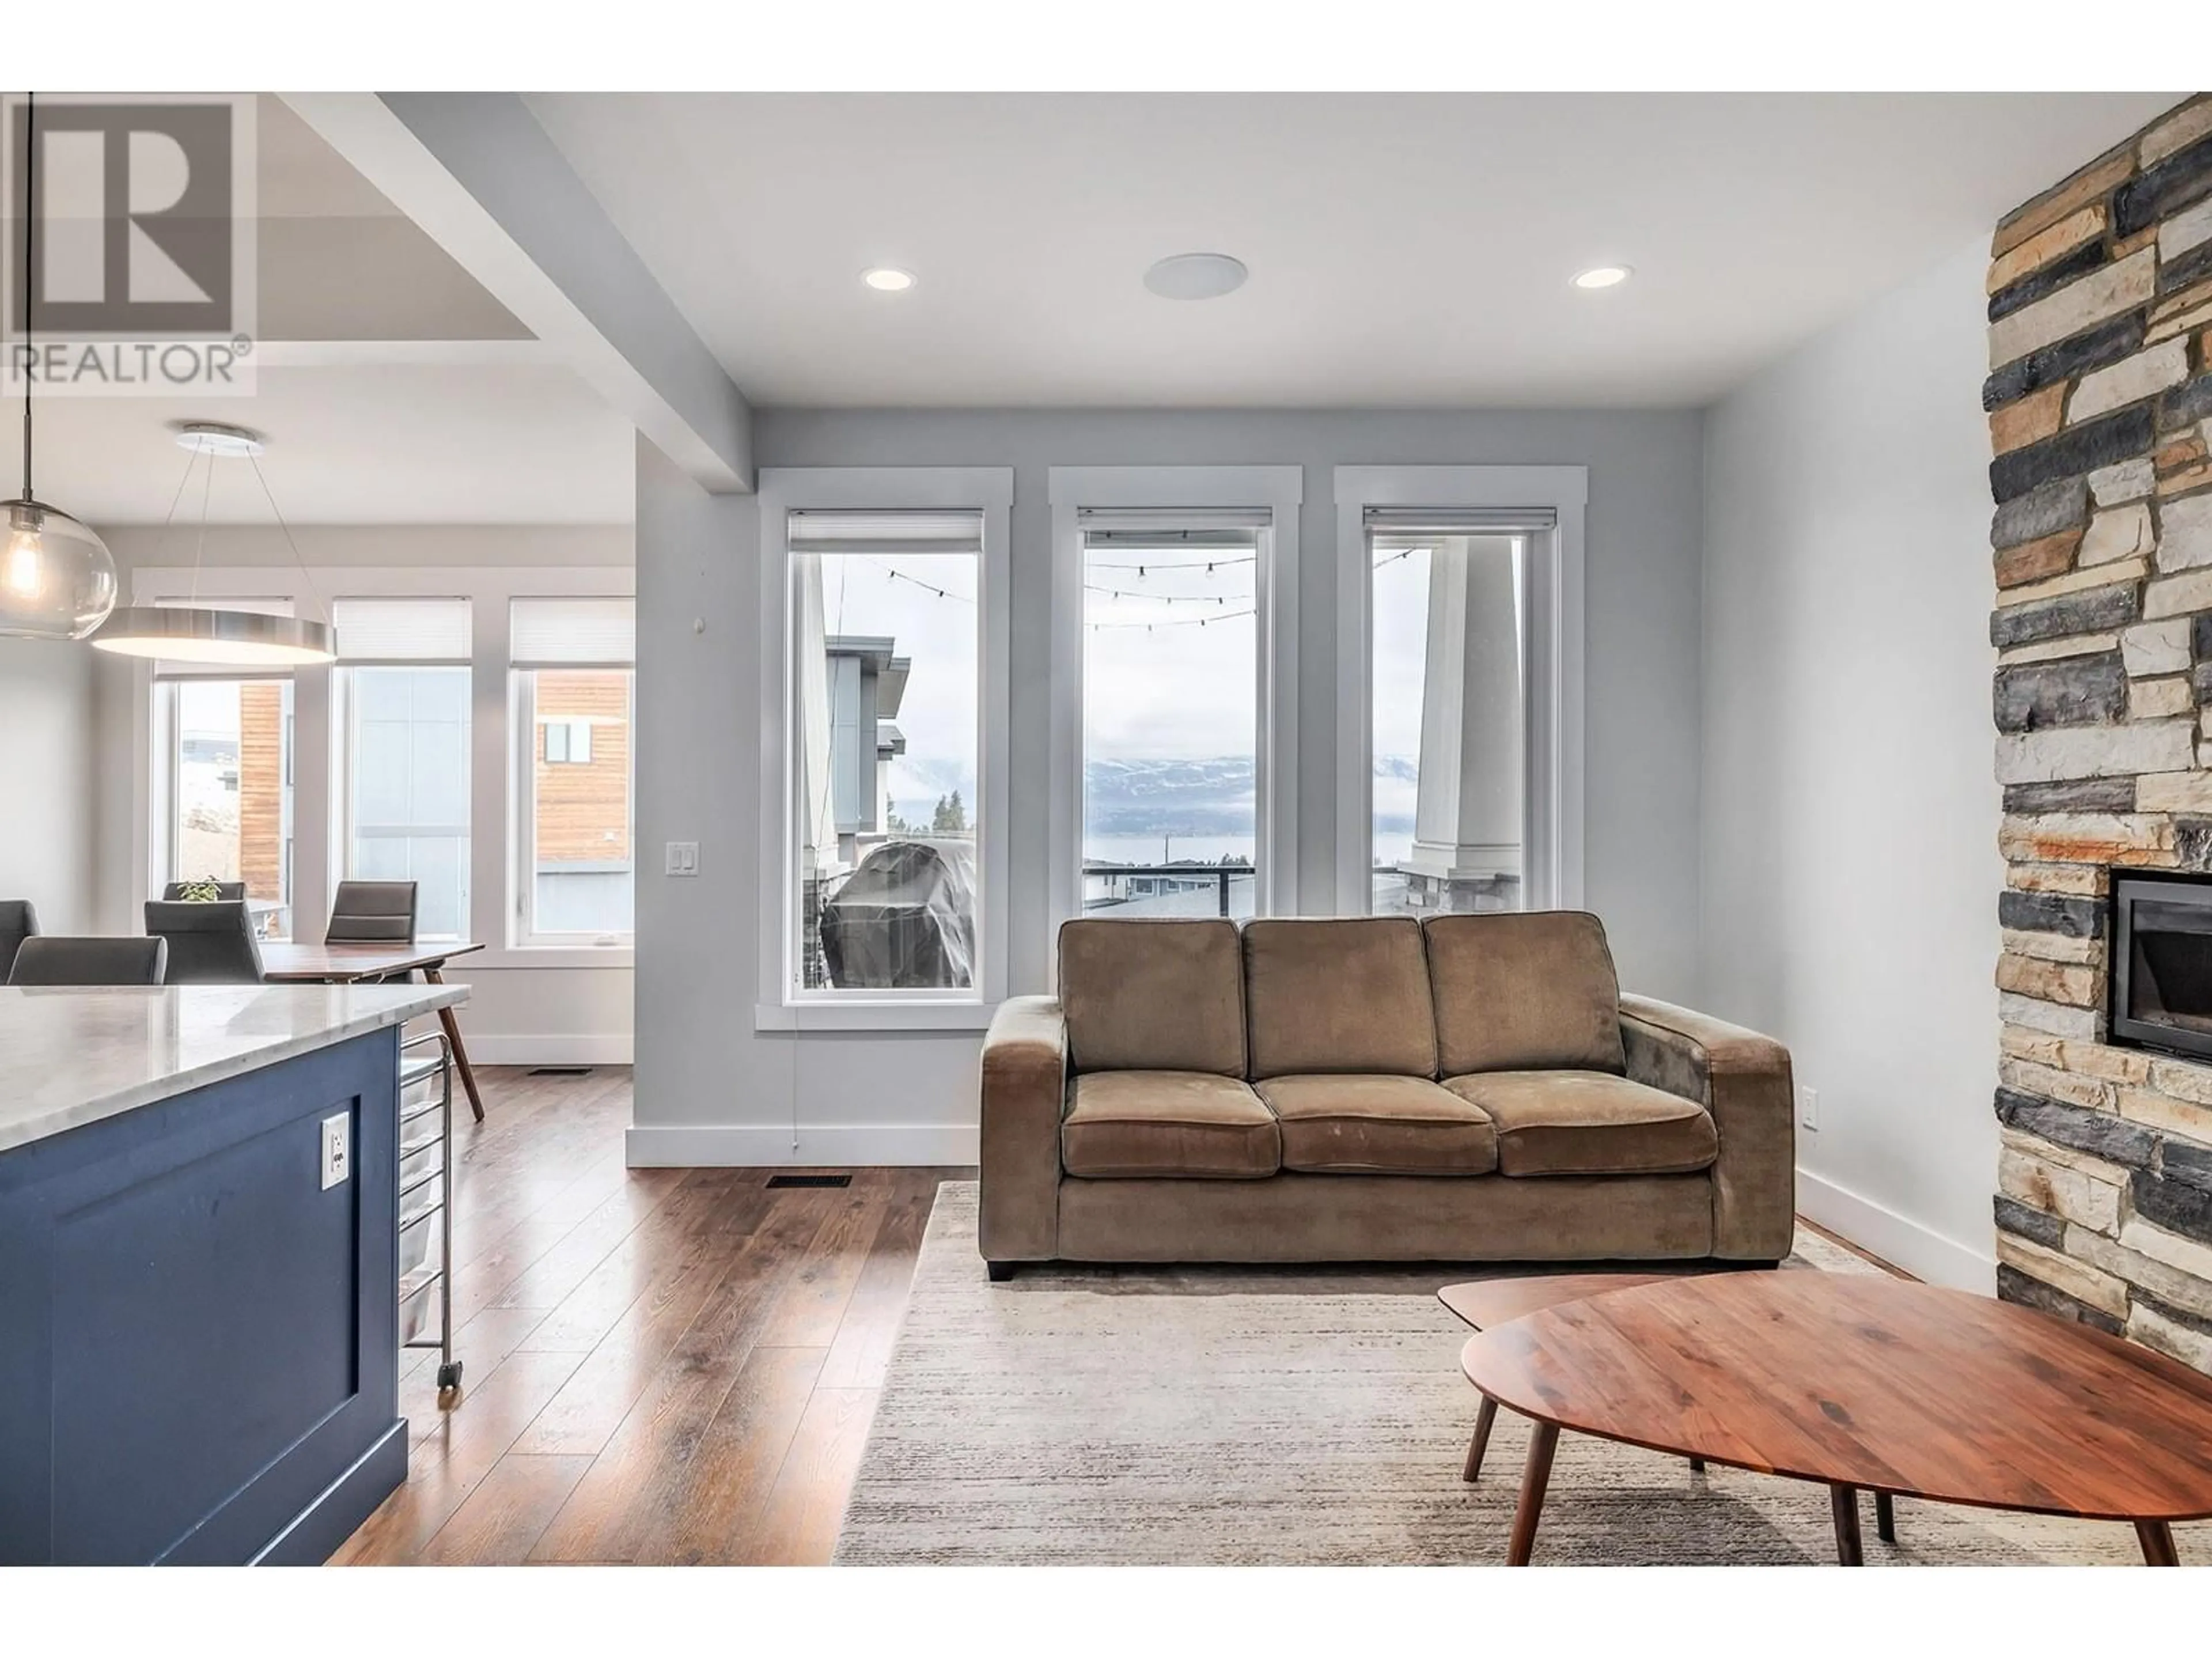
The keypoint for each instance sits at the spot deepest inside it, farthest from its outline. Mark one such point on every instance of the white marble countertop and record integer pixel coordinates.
(70, 1057)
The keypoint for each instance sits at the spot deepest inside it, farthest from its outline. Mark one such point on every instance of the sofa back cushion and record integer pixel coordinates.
(1155, 995)
(1341, 995)
(1527, 991)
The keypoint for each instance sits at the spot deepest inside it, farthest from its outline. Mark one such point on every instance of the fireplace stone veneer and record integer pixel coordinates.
(2099, 401)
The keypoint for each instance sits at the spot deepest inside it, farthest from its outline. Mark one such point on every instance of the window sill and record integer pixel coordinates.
(552, 956)
(866, 1016)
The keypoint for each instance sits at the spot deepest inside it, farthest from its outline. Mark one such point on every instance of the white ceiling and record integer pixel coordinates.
(1406, 249)
(436, 443)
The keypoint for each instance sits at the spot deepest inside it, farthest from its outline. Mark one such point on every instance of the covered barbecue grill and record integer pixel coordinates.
(904, 919)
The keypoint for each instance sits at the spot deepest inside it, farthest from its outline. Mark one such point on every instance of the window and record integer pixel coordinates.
(567, 742)
(1170, 821)
(1174, 689)
(405, 691)
(1459, 696)
(885, 743)
(1447, 826)
(227, 743)
(575, 843)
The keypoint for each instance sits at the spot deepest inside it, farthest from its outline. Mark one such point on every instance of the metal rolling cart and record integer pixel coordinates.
(426, 1200)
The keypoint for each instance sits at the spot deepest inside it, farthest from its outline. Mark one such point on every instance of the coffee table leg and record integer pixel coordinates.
(1484, 1417)
(1885, 1518)
(1543, 1438)
(1845, 1502)
(2157, 1544)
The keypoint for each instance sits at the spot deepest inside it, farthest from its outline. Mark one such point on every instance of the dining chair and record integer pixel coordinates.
(209, 944)
(58, 959)
(372, 913)
(227, 892)
(19, 921)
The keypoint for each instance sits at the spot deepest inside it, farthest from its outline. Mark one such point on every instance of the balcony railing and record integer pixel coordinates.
(1193, 880)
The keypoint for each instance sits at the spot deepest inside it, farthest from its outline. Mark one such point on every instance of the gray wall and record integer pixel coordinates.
(1850, 815)
(698, 710)
(48, 805)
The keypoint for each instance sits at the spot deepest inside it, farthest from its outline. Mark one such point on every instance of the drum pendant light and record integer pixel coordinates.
(57, 577)
(190, 633)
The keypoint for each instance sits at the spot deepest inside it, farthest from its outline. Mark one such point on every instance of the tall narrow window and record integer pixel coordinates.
(1171, 786)
(405, 694)
(228, 749)
(885, 747)
(1449, 825)
(575, 853)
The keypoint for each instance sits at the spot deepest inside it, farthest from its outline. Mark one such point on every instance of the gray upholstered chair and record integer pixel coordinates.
(209, 944)
(58, 959)
(225, 891)
(19, 921)
(372, 913)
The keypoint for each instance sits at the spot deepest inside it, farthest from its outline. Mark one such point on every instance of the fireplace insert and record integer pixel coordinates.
(2161, 978)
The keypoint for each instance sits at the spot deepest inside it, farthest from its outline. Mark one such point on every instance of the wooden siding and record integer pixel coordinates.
(583, 810)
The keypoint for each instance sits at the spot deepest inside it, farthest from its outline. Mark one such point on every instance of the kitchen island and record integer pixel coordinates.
(198, 1269)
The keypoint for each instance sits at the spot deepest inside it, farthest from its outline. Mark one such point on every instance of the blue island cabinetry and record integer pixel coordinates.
(197, 1357)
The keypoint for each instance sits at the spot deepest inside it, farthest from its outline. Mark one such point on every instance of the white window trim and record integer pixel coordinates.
(316, 822)
(1552, 690)
(987, 490)
(1281, 491)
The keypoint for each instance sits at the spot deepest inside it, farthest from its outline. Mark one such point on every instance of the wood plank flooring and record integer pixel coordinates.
(662, 1365)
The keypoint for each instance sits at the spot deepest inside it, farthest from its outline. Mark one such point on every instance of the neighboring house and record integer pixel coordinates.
(584, 852)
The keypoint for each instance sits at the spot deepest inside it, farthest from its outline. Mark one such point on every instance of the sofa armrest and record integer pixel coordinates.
(1024, 1086)
(1743, 1079)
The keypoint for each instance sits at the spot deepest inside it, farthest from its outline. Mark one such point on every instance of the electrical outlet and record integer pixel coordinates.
(681, 859)
(1808, 1107)
(337, 1149)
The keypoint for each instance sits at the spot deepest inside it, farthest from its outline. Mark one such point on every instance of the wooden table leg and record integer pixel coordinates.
(2157, 1540)
(1484, 1417)
(1845, 1502)
(1543, 1438)
(461, 1053)
(1885, 1518)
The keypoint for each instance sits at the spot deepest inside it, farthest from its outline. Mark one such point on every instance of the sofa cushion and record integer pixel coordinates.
(1343, 995)
(1335, 1124)
(1519, 991)
(1162, 994)
(1557, 1122)
(1168, 1123)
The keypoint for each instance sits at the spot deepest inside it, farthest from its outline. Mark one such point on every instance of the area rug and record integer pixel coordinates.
(1238, 1416)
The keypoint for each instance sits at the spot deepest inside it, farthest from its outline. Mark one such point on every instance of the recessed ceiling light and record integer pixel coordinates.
(1195, 277)
(1601, 277)
(888, 279)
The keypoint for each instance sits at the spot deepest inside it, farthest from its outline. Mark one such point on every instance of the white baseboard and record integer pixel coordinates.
(1899, 1240)
(747, 1145)
(599, 1050)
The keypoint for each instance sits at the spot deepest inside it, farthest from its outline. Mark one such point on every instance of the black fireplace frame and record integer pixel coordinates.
(2127, 887)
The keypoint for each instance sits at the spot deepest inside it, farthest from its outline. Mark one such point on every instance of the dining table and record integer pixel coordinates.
(288, 963)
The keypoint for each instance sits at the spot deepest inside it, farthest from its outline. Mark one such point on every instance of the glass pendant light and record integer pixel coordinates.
(57, 577)
(190, 633)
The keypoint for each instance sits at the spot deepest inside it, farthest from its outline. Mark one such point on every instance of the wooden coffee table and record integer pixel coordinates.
(1873, 1383)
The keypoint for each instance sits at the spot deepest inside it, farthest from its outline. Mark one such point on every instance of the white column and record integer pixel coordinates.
(1467, 815)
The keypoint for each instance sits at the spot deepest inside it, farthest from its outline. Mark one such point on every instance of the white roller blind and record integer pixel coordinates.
(167, 669)
(1449, 521)
(833, 530)
(405, 630)
(1196, 520)
(567, 633)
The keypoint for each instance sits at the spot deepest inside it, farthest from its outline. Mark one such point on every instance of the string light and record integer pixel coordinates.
(1179, 622)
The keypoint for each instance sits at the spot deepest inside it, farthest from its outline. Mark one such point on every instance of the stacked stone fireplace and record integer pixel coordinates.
(2100, 419)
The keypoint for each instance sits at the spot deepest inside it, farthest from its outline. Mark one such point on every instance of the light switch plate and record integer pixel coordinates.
(682, 858)
(1808, 1107)
(337, 1149)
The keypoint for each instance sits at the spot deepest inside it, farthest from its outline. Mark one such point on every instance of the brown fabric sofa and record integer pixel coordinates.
(1468, 1088)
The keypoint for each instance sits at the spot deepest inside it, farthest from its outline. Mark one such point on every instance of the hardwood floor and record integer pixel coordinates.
(662, 1365)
